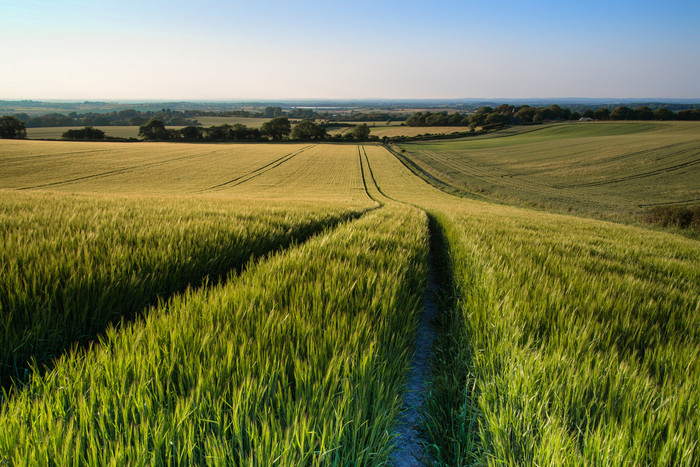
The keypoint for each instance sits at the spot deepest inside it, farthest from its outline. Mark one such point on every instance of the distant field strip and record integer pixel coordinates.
(143, 168)
(652, 173)
(582, 167)
(71, 265)
(299, 361)
(57, 132)
(111, 172)
(251, 171)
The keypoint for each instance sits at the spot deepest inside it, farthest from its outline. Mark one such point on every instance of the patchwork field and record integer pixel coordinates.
(614, 169)
(560, 340)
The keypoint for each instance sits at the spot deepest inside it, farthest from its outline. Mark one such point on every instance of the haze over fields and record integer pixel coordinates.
(181, 50)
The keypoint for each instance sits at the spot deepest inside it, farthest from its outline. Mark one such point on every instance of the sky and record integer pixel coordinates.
(307, 49)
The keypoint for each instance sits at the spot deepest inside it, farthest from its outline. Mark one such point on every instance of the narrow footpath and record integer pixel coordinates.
(409, 449)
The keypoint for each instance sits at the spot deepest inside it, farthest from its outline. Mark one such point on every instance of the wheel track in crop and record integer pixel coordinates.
(409, 443)
(13, 373)
(109, 173)
(259, 171)
(651, 173)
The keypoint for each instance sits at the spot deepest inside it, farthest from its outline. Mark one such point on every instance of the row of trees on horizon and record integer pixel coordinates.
(524, 114)
(276, 129)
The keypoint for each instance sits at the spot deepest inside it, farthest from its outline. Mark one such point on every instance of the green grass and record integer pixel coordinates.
(300, 360)
(565, 341)
(571, 342)
(73, 264)
(607, 169)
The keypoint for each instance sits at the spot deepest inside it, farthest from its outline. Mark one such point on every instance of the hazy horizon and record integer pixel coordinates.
(180, 51)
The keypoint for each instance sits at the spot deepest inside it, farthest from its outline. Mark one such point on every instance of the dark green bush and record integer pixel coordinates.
(684, 217)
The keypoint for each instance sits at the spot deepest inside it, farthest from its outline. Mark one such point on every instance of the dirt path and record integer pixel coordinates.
(409, 450)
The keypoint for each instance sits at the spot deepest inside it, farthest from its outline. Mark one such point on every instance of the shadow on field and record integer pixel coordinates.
(448, 421)
(40, 355)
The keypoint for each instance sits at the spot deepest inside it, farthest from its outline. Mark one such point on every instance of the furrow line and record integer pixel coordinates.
(111, 172)
(259, 171)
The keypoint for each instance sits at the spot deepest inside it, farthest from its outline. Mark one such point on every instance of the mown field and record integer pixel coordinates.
(613, 169)
(561, 340)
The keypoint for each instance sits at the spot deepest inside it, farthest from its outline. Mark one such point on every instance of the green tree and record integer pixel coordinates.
(277, 128)
(622, 113)
(644, 113)
(12, 128)
(154, 129)
(360, 131)
(663, 113)
(525, 114)
(602, 113)
(273, 112)
(220, 132)
(308, 130)
(191, 132)
(88, 133)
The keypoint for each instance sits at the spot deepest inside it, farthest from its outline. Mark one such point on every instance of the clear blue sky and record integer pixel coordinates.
(126, 49)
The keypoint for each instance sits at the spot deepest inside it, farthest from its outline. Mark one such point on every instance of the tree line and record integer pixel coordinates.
(276, 129)
(519, 115)
(127, 117)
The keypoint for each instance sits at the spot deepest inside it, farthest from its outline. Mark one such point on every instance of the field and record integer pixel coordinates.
(55, 132)
(133, 131)
(565, 340)
(611, 169)
(259, 304)
(250, 122)
(381, 129)
(392, 131)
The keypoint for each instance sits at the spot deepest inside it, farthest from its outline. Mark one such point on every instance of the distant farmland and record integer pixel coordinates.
(133, 131)
(259, 304)
(55, 132)
(608, 168)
